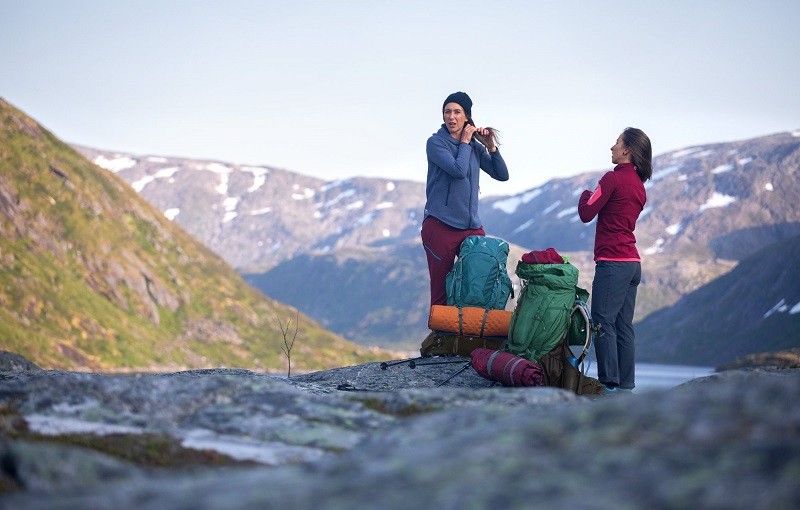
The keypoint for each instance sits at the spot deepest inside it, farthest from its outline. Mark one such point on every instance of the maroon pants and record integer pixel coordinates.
(442, 243)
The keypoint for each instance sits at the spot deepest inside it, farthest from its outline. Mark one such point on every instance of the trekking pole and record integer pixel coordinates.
(411, 362)
(466, 365)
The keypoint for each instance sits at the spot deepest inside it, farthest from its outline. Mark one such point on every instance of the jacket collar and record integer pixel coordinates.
(623, 167)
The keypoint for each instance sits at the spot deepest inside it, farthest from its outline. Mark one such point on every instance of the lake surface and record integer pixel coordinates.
(650, 376)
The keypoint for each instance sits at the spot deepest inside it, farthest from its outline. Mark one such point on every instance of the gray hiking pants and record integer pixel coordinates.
(613, 303)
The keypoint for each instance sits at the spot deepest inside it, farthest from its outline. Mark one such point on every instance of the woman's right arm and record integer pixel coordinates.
(590, 203)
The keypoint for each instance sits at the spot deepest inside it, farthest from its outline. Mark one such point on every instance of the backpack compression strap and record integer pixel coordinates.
(489, 363)
(483, 322)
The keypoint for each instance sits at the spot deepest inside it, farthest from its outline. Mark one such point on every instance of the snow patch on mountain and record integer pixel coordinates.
(552, 207)
(259, 177)
(510, 205)
(721, 169)
(657, 247)
(674, 229)
(567, 212)
(782, 307)
(305, 194)
(333, 184)
(660, 174)
(116, 164)
(717, 200)
(230, 204)
(685, 152)
(367, 218)
(522, 227)
(218, 168)
(338, 198)
(224, 176)
(164, 173)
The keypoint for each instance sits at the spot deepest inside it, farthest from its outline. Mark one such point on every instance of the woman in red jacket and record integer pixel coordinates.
(617, 202)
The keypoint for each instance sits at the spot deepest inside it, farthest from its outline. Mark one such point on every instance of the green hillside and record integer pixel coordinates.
(95, 278)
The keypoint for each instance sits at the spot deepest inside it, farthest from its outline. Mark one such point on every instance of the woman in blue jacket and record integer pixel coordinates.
(456, 155)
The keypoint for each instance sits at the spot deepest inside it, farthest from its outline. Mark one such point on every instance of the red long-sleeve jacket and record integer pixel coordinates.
(617, 202)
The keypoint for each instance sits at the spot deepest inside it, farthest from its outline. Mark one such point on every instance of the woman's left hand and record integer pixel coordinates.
(487, 136)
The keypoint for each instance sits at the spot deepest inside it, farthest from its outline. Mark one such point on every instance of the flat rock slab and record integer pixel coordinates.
(363, 437)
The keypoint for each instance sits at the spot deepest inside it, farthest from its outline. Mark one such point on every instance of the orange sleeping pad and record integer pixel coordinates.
(469, 320)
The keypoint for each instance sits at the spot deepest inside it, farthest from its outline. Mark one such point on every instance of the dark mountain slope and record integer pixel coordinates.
(370, 295)
(754, 308)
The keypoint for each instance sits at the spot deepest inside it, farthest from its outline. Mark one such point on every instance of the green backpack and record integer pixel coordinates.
(479, 277)
(544, 308)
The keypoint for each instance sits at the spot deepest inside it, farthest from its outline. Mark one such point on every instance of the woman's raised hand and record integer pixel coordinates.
(467, 132)
(484, 136)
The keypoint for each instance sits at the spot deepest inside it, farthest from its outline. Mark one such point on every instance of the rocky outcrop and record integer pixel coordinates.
(11, 362)
(363, 437)
(790, 358)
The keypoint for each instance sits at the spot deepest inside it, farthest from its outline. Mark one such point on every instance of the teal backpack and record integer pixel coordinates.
(479, 277)
(544, 309)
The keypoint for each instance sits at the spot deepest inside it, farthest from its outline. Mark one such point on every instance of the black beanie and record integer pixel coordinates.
(462, 99)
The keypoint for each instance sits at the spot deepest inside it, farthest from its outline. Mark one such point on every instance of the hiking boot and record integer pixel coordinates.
(616, 390)
(610, 390)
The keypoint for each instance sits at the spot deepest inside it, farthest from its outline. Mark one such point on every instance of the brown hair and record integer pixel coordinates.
(641, 152)
(492, 139)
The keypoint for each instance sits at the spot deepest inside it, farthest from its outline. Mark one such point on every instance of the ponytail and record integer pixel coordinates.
(493, 139)
(641, 151)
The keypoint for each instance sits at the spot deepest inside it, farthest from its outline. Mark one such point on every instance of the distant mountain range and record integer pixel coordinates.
(348, 254)
(96, 278)
(256, 217)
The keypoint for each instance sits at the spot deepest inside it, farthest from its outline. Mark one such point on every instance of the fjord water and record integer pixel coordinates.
(652, 376)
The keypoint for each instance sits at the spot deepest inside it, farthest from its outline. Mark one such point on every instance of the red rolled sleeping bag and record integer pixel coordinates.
(505, 368)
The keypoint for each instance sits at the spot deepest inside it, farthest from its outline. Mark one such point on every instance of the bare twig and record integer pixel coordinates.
(287, 343)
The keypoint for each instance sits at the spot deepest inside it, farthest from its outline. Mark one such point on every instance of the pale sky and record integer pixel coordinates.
(337, 89)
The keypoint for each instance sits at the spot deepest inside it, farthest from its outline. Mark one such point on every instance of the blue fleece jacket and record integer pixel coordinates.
(453, 178)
